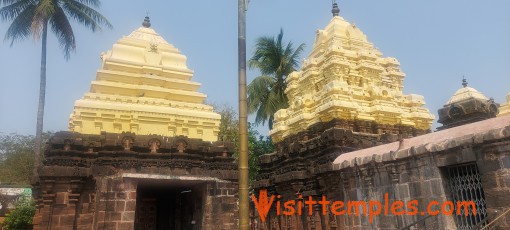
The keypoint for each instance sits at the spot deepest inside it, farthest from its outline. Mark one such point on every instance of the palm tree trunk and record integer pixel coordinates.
(40, 110)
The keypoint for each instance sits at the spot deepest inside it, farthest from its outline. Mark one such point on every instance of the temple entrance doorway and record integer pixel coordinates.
(176, 206)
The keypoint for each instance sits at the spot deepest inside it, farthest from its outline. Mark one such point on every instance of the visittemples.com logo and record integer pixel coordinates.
(372, 208)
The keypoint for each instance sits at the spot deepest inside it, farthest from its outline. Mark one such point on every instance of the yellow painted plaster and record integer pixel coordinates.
(346, 77)
(505, 107)
(144, 87)
(466, 93)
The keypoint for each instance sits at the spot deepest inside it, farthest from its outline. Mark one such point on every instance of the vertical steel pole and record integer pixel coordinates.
(244, 206)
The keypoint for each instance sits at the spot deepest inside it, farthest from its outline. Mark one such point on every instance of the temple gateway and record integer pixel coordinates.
(142, 150)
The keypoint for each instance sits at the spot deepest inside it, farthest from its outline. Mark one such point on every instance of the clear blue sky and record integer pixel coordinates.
(435, 41)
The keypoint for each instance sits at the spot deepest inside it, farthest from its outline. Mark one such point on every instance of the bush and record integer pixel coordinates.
(20, 217)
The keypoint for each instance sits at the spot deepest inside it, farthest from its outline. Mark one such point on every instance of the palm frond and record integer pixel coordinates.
(295, 56)
(62, 28)
(11, 11)
(85, 15)
(257, 91)
(43, 11)
(94, 3)
(80, 16)
(266, 94)
(7, 2)
(266, 57)
(21, 26)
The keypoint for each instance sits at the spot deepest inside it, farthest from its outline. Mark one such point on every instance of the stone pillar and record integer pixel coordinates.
(220, 208)
(57, 204)
(116, 204)
(43, 205)
(494, 166)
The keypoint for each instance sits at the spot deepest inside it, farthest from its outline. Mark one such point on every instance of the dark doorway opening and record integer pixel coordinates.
(172, 207)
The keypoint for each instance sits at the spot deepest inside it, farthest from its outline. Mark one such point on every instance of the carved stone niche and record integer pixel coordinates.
(297, 187)
(127, 143)
(369, 174)
(67, 144)
(295, 147)
(323, 184)
(346, 176)
(329, 182)
(90, 146)
(154, 145)
(393, 173)
(180, 146)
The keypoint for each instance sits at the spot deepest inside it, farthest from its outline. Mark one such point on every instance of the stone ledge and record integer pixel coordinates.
(172, 177)
(474, 133)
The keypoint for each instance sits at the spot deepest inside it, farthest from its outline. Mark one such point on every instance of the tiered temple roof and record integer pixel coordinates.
(345, 77)
(144, 87)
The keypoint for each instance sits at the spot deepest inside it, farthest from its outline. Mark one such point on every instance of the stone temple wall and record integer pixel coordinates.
(99, 182)
(410, 169)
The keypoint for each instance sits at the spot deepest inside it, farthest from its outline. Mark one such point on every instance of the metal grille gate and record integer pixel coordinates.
(465, 184)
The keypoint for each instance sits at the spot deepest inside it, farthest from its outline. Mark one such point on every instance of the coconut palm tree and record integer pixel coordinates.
(274, 60)
(32, 18)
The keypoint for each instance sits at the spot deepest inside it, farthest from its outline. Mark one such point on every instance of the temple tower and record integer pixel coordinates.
(142, 152)
(467, 105)
(346, 78)
(346, 97)
(144, 87)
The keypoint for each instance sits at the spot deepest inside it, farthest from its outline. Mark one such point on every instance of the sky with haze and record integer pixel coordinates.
(436, 42)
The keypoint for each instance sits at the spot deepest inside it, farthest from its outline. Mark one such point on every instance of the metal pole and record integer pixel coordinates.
(244, 206)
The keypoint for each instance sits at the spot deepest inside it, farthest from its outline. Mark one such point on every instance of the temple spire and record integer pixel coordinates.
(464, 82)
(146, 22)
(335, 9)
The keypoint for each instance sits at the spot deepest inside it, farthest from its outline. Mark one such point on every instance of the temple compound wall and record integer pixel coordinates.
(469, 162)
(127, 181)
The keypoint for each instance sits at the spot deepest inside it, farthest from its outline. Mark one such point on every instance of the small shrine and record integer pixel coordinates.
(467, 105)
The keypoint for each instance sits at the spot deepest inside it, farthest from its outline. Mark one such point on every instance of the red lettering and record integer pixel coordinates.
(262, 204)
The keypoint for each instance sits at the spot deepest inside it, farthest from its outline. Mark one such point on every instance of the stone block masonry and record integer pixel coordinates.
(117, 181)
(469, 162)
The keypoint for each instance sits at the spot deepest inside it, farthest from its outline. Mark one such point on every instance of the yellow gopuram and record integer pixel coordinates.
(505, 107)
(345, 77)
(144, 87)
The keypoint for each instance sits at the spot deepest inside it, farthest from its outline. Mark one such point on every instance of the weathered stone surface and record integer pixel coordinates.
(98, 189)
(411, 169)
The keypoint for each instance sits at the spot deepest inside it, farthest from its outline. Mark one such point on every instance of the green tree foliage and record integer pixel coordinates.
(32, 17)
(275, 61)
(20, 218)
(17, 158)
(257, 144)
(229, 124)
